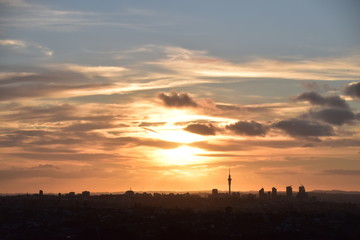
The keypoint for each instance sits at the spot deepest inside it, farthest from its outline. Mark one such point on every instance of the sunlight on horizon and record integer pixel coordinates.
(183, 155)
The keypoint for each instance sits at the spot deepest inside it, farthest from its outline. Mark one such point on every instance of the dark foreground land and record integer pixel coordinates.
(144, 216)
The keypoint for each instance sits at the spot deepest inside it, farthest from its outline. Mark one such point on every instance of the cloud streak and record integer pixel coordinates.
(27, 47)
(343, 172)
(198, 64)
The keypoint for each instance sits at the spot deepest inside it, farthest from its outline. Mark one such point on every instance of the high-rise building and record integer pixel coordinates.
(262, 193)
(229, 182)
(85, 194)
(214, 192)
(302, 193)
(289, 191)
(273, 192)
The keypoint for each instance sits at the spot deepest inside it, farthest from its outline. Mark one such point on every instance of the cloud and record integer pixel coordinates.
(344, 172)
(304, 128)
(197, 64)
(251, 128)
(30, 47)
(314, 86)
(316, 99)
(89, 126)
(151, 124)
(24, 14)
(179, 100)
(13, 43)
(65, 157)
(335, 116)
(310, 85)
(12, 75)
(41, 90)
(97, 71)
(53, 172)
(202, 129)
(277, 171)
(56, 82)
(223, 146)
(353, 90)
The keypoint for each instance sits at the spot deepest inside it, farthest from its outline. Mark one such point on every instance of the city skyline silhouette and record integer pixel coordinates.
(166, 95)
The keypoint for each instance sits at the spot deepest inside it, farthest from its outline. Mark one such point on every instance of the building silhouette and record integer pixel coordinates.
(229, 182)
(85, 194)
(129, 193)
(289, 191)
(262, 194)
(214, 192)
(302, 194)
(273, 192)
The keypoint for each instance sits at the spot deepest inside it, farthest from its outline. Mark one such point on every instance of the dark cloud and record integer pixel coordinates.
(59, 113)
(89, 126)
(174, 99)
(222, 146)
(250, 109)
(316, 99)
(37, 141)
(17, 138)
(53, 172)
(353, 90)
(195, 121)
(151, 124)
(82, 157)
(335, 116)
(310, 85)
(304, 128)
(202, 129)
(248, 128)
(314, 86)
(342, 142)
(276, 171)
(341, 172)
(240, 145)
(48, 83)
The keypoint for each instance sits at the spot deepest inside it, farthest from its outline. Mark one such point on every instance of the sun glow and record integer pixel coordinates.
(180, 136)
(183, 155)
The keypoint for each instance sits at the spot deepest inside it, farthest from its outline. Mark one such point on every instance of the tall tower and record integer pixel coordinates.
(229, 182)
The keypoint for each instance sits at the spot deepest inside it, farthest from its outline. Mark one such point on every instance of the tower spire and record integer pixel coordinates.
(229, 181)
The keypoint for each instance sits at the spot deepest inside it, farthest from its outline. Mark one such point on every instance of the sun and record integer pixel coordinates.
(183, 155)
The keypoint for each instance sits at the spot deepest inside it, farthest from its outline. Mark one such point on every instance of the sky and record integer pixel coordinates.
(161, 95)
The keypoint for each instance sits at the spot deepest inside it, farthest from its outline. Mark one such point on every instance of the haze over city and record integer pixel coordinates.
(166, 95)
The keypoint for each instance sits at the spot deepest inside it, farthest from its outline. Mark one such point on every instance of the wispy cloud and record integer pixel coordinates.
(344, 172)
(12, 42)
(26, 46)
(200, 64)
(23, 14)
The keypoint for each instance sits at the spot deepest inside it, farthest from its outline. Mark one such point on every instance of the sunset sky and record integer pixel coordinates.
(166, 95)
